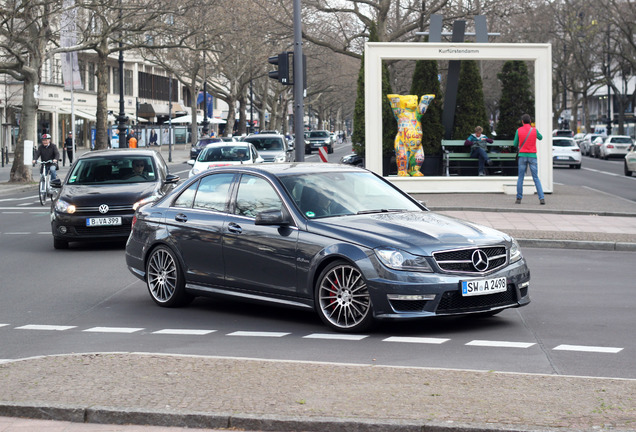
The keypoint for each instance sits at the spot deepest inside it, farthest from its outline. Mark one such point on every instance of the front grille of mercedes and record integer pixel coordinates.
(460, 261)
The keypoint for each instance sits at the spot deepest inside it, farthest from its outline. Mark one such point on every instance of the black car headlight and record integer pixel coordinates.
(62, 206)
(401, 260)
(515, 251)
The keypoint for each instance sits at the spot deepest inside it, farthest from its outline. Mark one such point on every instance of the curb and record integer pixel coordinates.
(578, 244)
(530, 210)
(197, 420)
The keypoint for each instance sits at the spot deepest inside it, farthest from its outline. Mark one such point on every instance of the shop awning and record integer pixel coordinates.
(146, 110)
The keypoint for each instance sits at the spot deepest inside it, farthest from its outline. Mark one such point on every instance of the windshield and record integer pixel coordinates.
(112, 170)
(225, 153)
(265, 144)
(319, 134)
(204, 142)
(622, 140)
(344, 193)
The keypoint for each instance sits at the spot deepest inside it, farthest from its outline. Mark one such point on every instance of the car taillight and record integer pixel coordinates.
(576, 150)
(610, 146)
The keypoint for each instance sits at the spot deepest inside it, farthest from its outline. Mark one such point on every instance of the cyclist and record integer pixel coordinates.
(48, 151)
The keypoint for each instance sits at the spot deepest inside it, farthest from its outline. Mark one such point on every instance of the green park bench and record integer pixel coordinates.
(457, 160)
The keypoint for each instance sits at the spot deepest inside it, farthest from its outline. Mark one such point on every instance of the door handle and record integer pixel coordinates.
(234, 228)
(181, 218)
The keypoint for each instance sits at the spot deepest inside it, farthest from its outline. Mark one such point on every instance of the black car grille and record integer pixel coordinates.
(118, 209)
(453, 302)
(115, 231)
(460, 261)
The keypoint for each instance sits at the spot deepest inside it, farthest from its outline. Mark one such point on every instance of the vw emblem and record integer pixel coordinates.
(480, 260)
(104, 209)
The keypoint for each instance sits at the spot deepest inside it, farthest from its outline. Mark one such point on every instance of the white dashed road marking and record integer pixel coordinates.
(335, 336)
(184, 332)
(113, 330)
(500, 344)
(45, 327)
(582, 348)
(416, 340)
(258, 334)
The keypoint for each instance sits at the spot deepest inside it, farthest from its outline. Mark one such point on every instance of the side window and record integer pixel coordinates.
(213, 192)
(187, 196)
(256, 195)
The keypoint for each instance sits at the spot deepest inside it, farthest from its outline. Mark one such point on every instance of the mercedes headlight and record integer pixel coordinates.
(515, 251)
(280, 157)
(64, 207)
(400, 260)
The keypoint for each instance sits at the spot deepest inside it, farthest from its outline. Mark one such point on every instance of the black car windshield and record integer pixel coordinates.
(344, 193)
(206, 141)
(113, 170)
(240, 152)
(318, 134)
(622, 140)
(265, 144)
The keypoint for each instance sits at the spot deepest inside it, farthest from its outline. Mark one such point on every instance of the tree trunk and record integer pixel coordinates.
(21, 172)
(102, 140)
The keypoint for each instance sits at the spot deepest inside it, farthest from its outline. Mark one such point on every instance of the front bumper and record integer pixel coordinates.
(74, 228)
(441, 293)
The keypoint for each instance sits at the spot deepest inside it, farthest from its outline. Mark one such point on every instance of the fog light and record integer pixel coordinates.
(62, 229)
(412, 297)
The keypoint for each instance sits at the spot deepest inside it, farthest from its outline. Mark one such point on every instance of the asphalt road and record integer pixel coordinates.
(85, 300)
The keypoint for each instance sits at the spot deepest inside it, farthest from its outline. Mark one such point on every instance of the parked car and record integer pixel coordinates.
(223, 154)
(316, 139)
(578, 138)
(562, 133)
(565, 151)
(587, 145)
(272, 147)
(353, 159)
(615, 146)
(200, 145)
(98, 197)
(630, 161)
(331, 238)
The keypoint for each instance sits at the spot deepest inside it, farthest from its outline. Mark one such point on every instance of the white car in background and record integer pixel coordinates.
(630, 161)
(565, 151)
(615, 145)
(223, 154)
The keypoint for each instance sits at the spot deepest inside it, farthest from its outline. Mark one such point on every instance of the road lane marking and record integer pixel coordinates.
(500, 344)
(582, 348)
(113, 330)
(258, 334)
(327, 336)
(184, 332)
(44, 327)
(420, 340)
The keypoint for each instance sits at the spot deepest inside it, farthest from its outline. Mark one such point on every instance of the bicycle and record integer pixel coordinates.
(44, 188)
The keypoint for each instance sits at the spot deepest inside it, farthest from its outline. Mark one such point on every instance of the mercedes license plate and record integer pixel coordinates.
(103, 221)
(483, 286)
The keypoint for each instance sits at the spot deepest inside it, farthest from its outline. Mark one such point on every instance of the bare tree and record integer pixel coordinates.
(25, 34)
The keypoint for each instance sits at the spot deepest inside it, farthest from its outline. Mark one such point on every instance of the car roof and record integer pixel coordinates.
(227, 144)
(118, 152)
(292, 168)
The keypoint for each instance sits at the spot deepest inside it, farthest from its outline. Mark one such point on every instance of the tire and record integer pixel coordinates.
(628, 173)
(342, 298)
(577, 166)
(164, 279)
(42, 190)
(59, 243)
(307, 151)
(330, 150)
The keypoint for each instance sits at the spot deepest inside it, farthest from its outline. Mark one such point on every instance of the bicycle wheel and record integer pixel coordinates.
(42, 190)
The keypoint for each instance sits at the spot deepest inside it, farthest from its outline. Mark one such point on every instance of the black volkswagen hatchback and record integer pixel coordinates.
(332, 238)
(99, 195)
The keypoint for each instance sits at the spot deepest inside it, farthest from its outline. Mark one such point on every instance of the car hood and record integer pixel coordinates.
(111, 194)
(420, 233)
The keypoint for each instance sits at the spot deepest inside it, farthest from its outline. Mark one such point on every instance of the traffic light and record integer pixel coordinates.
(282, 74)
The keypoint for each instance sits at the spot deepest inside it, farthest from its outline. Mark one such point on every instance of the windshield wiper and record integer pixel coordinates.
(379, 211)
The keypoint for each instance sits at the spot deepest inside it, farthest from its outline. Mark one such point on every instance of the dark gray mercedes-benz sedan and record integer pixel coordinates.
(336, 239)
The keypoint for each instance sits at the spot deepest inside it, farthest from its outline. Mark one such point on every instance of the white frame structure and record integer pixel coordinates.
(540, 54)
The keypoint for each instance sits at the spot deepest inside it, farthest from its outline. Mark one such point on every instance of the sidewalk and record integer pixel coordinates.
(241, 394)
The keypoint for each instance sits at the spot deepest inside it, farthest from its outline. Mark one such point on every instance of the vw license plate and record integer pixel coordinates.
(103, 221)
(483, 286)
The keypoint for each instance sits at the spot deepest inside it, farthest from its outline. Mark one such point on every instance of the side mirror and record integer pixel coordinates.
(172, 178)
(272, 217)
(56, 183)
(191, 162)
